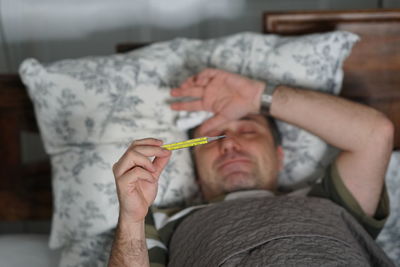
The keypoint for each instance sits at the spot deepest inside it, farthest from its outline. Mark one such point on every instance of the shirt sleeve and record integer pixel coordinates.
(333, 188)
(160, 225)
(157, 249)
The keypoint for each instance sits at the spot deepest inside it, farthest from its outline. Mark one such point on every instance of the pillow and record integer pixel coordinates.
(388, 239)
(90, 251)
(90, 109)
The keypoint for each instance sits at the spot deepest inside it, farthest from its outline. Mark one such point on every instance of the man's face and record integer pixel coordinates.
(246, 159)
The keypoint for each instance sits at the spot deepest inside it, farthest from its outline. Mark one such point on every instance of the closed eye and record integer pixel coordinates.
(215, 133)
(248, 131)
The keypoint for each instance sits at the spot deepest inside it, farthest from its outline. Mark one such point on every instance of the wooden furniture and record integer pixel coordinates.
(372, 71)
(372, 76)
(25, 189)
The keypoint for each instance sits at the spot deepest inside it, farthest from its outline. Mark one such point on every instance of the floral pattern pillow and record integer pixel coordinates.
(90, 109)
(389, 238)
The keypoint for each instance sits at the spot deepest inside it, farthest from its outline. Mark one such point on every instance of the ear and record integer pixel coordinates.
(281, 155)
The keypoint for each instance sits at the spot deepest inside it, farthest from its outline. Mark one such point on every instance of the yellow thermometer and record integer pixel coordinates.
(192, 142)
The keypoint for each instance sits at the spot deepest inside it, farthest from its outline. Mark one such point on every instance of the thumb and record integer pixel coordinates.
(212, 123)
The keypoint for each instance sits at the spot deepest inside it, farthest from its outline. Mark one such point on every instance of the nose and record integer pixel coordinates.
(229, 143)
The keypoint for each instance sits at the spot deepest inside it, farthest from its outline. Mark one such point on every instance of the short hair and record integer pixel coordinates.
(273, 126)
(276, 135)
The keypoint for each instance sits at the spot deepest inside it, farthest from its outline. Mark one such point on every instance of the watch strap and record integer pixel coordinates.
(266, 97)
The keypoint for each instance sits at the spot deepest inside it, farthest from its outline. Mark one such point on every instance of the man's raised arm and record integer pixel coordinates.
(364, 135)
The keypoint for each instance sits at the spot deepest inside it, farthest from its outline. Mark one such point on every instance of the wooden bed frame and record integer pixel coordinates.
(372, 76)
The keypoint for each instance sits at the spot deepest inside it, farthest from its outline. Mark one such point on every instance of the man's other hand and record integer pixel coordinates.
(229, 96)
(137, 177)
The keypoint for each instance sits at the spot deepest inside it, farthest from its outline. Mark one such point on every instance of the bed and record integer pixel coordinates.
(370, 77)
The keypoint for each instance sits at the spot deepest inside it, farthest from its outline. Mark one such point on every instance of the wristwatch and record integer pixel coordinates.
(266, 97)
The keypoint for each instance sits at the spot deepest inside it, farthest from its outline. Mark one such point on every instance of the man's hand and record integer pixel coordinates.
(229, 96)
(137, 177)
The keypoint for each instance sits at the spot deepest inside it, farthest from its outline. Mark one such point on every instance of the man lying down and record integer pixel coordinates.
(244, 221)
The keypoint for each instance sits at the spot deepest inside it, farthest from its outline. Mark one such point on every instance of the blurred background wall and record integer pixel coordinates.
(54, 29)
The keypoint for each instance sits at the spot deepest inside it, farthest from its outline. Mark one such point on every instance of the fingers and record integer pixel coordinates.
(138, 154)
(204, 77)
(189, 105)
(189, 82)
(199, 80)
(196, 87)
(136, 174)
(196, 92)
(160, 163)
(147, 141)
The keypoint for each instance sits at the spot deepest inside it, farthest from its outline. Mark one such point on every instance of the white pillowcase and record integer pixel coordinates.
(388, 239)
(90, 109)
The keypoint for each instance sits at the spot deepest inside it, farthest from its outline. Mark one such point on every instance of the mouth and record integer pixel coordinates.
(233, 164)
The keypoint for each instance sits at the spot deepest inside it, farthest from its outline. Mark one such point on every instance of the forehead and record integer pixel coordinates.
(255, 119)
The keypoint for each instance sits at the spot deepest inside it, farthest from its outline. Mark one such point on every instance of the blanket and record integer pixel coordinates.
(274, 231)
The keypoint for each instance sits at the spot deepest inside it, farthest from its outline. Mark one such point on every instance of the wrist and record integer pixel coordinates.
(129, 246)
(132, 231)
(126, 223)
(259, 89)
(265, 100)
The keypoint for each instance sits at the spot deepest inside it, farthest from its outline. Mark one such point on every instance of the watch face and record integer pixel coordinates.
(266, 97)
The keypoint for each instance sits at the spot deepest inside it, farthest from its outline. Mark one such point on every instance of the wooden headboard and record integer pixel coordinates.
(25, 189)
(372, 71)
(372, 76)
